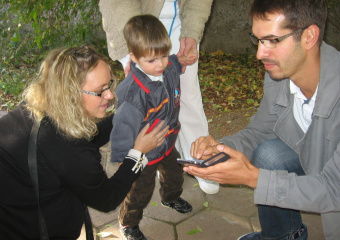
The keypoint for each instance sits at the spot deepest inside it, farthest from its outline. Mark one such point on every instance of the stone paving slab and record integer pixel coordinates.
(238, 200)
(214, 224)
(191, 193)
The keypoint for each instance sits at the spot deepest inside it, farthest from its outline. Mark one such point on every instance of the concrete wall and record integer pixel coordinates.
(229, 26)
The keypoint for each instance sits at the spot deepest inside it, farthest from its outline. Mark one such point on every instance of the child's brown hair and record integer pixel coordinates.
(145, 35)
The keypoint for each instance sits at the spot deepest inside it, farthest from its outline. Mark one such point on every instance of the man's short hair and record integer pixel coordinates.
(298, 13)
(145, 35)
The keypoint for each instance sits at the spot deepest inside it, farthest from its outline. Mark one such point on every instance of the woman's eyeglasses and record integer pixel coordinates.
(99, 93)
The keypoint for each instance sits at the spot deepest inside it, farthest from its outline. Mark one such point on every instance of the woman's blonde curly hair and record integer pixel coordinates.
(57, 90)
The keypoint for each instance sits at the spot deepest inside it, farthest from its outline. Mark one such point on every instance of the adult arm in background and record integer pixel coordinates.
(115, 14)
(193, 19)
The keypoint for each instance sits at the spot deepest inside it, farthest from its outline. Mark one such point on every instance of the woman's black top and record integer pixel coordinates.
(69, 173)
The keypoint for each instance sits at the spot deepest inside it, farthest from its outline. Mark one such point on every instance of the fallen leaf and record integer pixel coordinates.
(192, 232)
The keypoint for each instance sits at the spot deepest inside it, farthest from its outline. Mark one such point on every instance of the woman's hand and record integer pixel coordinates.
(145, 142)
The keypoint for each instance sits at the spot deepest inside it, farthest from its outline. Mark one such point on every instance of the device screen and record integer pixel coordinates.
(220, 157)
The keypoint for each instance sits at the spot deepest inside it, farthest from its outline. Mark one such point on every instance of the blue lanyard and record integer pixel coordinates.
(173, 20)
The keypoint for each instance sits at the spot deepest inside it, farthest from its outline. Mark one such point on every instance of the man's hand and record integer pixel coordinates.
(204, 147)
(236, 170)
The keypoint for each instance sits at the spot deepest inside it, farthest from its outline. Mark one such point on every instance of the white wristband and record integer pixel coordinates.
(140, 159)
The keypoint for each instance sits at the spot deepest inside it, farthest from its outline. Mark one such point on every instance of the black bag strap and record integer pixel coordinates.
(33, 170)
(88, 225)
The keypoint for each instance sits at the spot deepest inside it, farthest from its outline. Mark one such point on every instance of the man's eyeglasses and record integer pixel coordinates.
(99, 93)
(271, 43)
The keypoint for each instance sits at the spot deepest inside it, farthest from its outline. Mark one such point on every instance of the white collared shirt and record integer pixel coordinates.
(153, 78)
(303, 107)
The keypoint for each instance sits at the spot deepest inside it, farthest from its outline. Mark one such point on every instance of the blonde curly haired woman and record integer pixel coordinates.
(68, 97)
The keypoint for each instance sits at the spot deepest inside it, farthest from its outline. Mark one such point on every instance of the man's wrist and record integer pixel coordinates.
(254, 177)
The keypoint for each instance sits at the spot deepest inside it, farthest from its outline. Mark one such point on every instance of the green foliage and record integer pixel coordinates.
(30, 27)
(334, 12)
(12, 83)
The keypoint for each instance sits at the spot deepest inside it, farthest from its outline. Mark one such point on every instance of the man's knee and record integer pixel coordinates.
(275, 155)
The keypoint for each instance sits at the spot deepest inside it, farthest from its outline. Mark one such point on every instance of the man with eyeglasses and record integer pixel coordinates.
(293, 140)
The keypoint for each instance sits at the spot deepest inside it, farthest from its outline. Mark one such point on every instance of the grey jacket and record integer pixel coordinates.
(116, 13)
(319, 149)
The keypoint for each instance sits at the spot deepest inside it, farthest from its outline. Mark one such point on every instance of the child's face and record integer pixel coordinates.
(152, 65)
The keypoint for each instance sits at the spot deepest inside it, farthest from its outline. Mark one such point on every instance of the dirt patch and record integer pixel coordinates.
(226, 123)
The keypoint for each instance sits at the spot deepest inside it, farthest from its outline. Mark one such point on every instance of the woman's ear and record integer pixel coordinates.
(133, 58)
(312, 34)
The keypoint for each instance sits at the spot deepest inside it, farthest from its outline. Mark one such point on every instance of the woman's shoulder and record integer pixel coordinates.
(16, 123)
(61, 153)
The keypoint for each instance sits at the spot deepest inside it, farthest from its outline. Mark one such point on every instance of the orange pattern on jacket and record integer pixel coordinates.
(156, 109)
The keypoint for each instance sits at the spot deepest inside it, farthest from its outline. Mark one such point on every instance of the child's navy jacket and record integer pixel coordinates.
(140, 101)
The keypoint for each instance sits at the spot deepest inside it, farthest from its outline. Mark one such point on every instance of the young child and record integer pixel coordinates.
(150, 93)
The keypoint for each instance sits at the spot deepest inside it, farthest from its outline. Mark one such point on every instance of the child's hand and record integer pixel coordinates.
(145, 142)
(192, 56)
(189, 59)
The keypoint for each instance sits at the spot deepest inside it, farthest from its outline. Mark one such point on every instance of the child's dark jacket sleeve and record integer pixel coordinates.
(126, 125)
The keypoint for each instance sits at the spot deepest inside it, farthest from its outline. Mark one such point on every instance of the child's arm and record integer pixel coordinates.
(126, 125)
